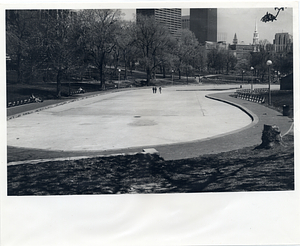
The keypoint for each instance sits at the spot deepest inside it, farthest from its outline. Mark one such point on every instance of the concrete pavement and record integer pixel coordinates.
(178, 128)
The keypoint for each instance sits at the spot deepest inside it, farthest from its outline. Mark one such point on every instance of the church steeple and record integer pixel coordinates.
(255, 39)
(255, 35)
(235, 40)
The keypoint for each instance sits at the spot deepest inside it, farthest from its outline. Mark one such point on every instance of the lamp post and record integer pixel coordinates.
(269, 63)
(119, 77)
(252, 69)
(172, 77)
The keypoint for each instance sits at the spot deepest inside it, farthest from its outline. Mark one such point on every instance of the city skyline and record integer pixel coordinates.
(241, 21)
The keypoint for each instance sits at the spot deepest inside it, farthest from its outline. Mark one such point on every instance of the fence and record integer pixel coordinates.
(255, 91)
(33, 100)
(20, 102)
(252, 96)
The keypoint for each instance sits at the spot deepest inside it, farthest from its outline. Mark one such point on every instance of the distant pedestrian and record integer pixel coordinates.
(160, 90)
(153, 89)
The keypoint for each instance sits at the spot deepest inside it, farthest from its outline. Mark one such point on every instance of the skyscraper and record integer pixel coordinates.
(203, 23)
(171, 18)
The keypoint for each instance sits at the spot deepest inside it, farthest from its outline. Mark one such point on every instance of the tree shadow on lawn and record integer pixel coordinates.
(247, 169)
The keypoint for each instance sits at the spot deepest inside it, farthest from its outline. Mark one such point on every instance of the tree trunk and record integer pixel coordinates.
(125, 71)
(148, 76)
(125, 67)
(102, 82)
(270, 136)
(187, 77)
(19, 70)
(58, 83)
(102, 77)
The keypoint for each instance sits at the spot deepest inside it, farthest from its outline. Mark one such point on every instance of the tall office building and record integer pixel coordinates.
(171, 18)
(283, 42)
(203, 23)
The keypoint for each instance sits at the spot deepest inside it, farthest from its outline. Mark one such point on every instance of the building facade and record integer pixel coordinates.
(203, 23)
(171, 18)
(185, 22)
(283, 42)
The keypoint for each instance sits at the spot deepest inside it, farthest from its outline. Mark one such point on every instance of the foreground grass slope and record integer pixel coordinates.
(246, 169)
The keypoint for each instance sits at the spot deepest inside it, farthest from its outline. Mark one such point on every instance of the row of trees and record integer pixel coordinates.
(70, 42)
(64, 42)
(251, 63)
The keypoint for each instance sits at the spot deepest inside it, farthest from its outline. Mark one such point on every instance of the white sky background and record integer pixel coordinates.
(242, 22)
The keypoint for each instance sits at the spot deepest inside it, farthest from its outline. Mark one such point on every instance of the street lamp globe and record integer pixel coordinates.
(252, 69)
(269, 63)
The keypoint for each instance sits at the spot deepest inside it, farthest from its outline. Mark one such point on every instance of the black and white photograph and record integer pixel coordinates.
(109, 101)
(189, 106)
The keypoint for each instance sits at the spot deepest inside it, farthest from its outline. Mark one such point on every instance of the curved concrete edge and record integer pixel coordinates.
(289, 130)
(38, 161)
(253, 116)
(62, 103)
(49, 106)
(65, 102)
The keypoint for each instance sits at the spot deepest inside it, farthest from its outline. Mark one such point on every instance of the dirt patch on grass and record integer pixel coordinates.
(246, 169)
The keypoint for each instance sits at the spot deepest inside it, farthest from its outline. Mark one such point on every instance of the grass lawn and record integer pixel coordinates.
(246, 169)
(45, 90)
(280, 98)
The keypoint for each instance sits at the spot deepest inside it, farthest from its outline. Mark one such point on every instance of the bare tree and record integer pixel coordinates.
(150, 38)
(258, 59)
(21, 42)
(99, 32)
(125, 47)
(58, 46)
(186, 51)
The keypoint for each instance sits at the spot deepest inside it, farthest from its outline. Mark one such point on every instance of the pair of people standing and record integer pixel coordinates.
(154, 89)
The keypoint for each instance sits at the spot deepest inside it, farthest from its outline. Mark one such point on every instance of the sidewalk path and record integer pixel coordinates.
(249, 136)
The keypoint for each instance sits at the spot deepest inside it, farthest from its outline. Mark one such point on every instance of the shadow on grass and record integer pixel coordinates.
(247, 169)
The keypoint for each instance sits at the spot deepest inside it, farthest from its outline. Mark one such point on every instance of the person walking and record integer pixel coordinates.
(160, 89)
(153, 89)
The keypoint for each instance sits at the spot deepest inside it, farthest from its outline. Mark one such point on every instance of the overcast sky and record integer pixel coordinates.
(242, 22)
